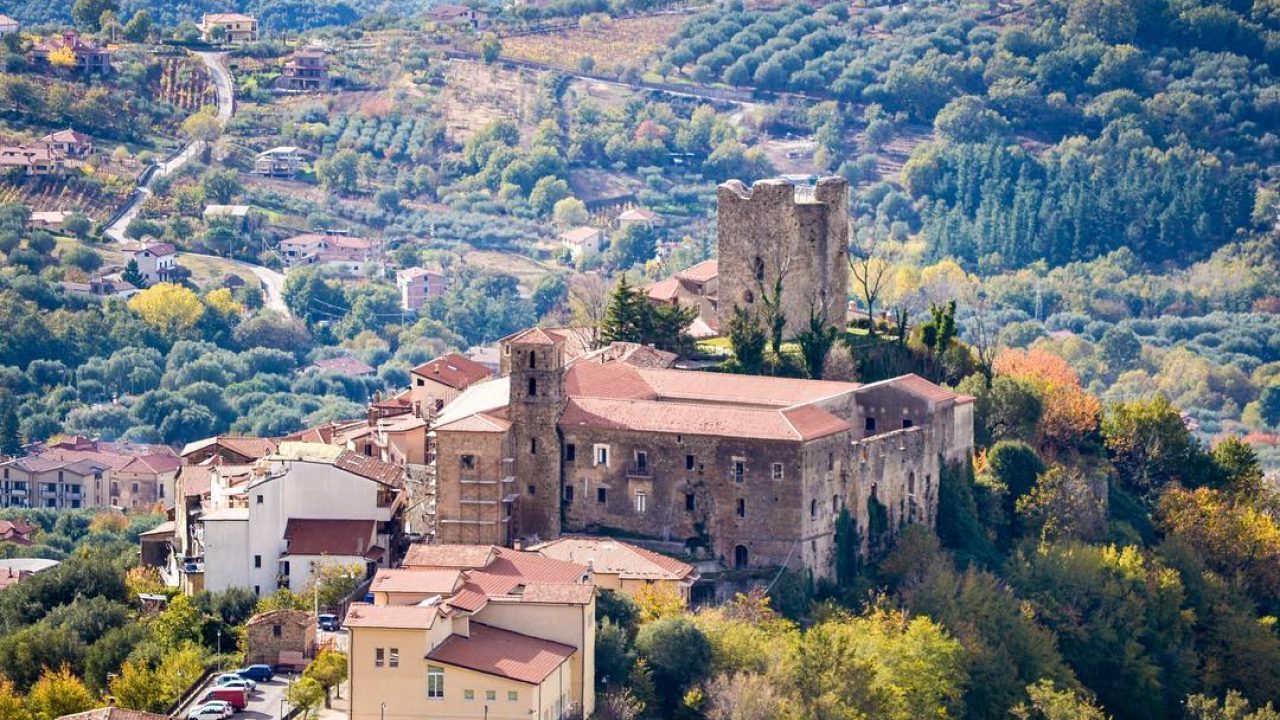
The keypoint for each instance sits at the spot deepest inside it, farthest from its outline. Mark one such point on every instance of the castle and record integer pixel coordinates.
(752, 471)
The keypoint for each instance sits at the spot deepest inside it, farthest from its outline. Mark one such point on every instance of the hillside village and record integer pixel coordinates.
(639, 361)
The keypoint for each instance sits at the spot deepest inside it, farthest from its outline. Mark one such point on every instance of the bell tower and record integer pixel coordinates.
(534, 362)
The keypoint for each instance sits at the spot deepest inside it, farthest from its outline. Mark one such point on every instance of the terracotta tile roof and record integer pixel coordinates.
(21, 527)
(579, 235)
(248, 447)
(665, 290)
(915, 385)
(158, 464)
(696, 419)
(411, 617)
(704, 271)
(374, 469)
(329, 537)
(740, 389)
(479, 422)
(592, 378)
(163, 530)
(811, 421)
(196, 480)
(279, 617)
(434, 582)
(66, 136)
(448, 556)
(113, 713)
(529, 567)
(503, 653)
(470, 597)
(558, 593)
(346, 365)
(227, 17)
(453, 370)
(639, 214)
(609, 556)
(536, 336)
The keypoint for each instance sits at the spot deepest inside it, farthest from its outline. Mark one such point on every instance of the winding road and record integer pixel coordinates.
(272, 281)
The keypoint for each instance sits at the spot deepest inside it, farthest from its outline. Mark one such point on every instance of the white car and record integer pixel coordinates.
(231, 680)
(227, 708)
(206, 712)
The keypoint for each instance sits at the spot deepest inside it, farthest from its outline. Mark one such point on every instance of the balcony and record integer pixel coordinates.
(639, 470)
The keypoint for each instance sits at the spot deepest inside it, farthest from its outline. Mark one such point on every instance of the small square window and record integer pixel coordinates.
(468, 462)
(602, 495)
(906, 423)
(533, 489)
(259, 500)
(468, 694)
(275, 631)
(869, 424)
(513, 695)
(490, 694)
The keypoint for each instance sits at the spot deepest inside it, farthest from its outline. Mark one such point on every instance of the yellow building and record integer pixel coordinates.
(474, 632)
(616, 565)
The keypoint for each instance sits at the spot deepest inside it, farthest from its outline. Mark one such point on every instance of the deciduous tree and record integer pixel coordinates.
(169, 308)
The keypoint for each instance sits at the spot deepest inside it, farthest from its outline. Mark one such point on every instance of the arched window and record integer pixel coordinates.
(757, 268)
(740, 556)
(533, 387)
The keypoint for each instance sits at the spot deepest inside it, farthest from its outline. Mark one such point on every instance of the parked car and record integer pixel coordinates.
(328, 621)
(238, 697)
(234, 680)
(206, 712)
(227, 709)
(257, 673)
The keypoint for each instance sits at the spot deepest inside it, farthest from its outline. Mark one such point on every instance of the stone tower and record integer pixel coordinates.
(534, 361)
(796, 227)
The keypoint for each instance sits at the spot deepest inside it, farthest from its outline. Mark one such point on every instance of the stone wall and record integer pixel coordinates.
(282, 631)
(777, 227)
(536, 401)
(471, 469)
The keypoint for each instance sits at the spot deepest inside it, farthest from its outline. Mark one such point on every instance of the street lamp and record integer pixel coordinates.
(219, 641)
(382, 711)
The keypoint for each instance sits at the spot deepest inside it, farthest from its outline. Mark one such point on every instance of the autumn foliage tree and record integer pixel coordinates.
(1070, 414)
(171, 309)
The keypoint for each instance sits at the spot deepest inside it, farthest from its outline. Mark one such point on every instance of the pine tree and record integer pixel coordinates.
(748, 340)
(625, 318)
(10, 440)
(133, 275)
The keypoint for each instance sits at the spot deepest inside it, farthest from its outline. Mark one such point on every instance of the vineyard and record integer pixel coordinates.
(185, 84)
(612, 45)
(84, 195)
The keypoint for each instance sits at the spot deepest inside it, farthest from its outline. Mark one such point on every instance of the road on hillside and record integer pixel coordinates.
(272, 281)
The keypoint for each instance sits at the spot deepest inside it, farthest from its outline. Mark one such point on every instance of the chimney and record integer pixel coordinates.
(517, 544)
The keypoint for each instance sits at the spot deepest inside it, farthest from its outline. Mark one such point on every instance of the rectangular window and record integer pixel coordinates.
(570, 452)
(490, 694)
(831, 461)
(741, 508)
(906, 423)
(379, 656)
(777, 471)
(533, 446)
(275, 631)
(689, 502)
(468, 462)
(602, 495)
(395, 657)
(869, 424)
(533, 489)
(688, 462)
(739, 469)
(642, 502)
(835, 504)
(468, 694)
(259, 500)
(602, 455)
(435, 682)
(642, 462)
(513, 696)
(257, 561)
(568, 493)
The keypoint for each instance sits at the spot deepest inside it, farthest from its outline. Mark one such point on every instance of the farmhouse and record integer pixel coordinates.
(86, 56)
(582, 241)
(236, 27)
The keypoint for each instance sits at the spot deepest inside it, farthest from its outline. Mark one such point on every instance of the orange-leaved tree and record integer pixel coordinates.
(1070, 413)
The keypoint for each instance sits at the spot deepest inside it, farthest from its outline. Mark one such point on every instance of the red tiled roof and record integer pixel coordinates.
(503, 653)
(697, 419)
(606, 555)
(453, 370)
(592, 378)
(702, 272)
(665, 290)
(250, 447)
(442, 582)
(478, 422)
(277, 617)
(196, 480)
(66, 136)
(579, 234)
(915, 385)
(374, 469)
(329, 537)
(537, 336)
(448, 556)
(643, 214)
(410, 617)
(113, 712)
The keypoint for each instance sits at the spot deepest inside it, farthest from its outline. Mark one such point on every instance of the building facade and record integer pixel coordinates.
(236, 27)
(751, 471)
(79, 473)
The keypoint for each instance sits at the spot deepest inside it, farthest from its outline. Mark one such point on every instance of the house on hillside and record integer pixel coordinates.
(17, 532)
(458, 16)
(9, 26)
(618, 565)
(157, 261)
(70, 143)
(47, 219)
(280, 162)
(80, 473)
(582, 241)
(418, 285)
(343, 365)
(696, 287)
(346, 254)
(86, 56)
(638, 216)
(436, 383)
(235, 215)
(305, 70)
(236, 27)
(35, 160)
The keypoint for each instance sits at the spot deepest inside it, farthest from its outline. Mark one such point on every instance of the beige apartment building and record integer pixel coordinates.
(470, 631)
(78, 472)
